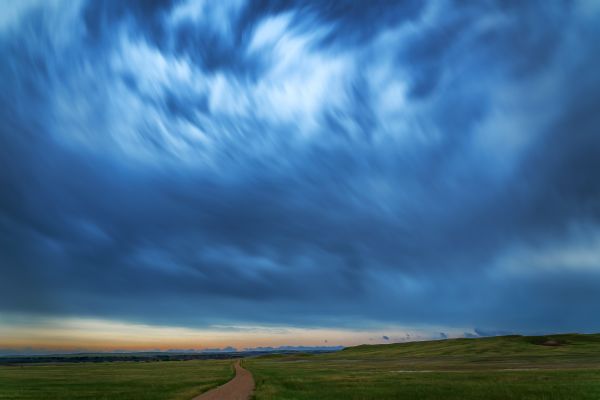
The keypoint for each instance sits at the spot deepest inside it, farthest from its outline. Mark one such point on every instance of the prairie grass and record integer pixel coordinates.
(179, 380)
(510, 367)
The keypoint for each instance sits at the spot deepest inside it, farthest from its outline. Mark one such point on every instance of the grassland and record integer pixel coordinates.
(115, 381)
(512, 367)
(556, 367)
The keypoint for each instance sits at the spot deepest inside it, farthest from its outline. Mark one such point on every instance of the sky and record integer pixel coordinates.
(200, 174)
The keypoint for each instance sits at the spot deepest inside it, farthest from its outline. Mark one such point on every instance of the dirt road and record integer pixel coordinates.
(239, 388)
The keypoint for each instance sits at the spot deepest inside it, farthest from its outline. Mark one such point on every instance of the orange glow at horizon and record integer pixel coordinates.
(69, 334)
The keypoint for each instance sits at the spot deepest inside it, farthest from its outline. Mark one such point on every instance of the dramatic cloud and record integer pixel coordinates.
(342, 164)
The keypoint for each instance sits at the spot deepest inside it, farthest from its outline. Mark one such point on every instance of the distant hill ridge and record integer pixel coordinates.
(504, 346)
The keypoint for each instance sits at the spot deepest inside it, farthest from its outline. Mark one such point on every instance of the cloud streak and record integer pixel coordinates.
(193, 163)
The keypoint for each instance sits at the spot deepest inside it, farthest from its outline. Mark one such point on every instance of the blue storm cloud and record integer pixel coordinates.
(305, 163)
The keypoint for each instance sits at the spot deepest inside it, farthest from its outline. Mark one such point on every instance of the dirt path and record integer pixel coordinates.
(239, 388)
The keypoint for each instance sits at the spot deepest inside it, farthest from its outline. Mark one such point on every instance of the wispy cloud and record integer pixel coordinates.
(193, 163)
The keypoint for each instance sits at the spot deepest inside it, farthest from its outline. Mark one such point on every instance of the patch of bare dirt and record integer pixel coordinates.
(239, 388)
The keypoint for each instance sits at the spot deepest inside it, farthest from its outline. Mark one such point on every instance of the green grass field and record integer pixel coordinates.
(490, 368)
(512, 367)
(113, 381)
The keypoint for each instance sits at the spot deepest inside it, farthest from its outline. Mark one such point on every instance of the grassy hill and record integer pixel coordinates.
(574, 350)
(508, 367)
